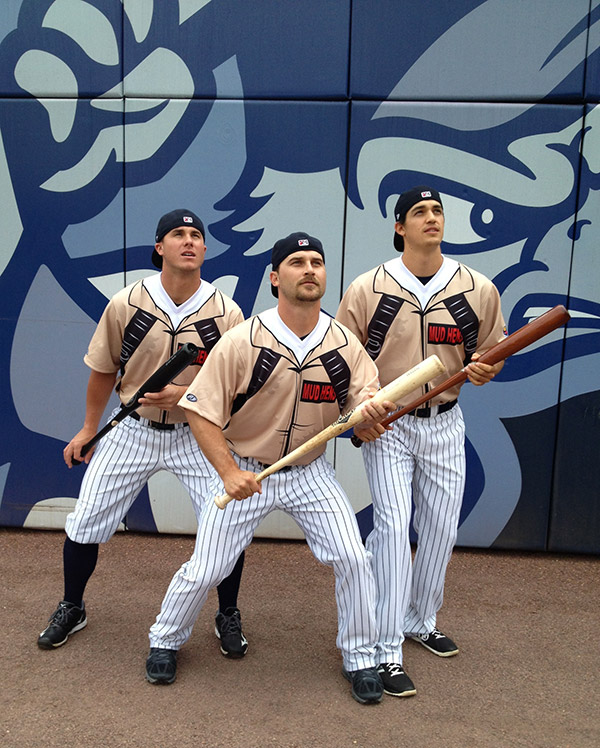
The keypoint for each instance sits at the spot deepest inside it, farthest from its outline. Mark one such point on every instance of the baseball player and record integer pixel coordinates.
(403, 311)
(269, 385)
(141, 327)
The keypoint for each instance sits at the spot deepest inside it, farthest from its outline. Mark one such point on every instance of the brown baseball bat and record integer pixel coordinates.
(521, 338)
(427, 370)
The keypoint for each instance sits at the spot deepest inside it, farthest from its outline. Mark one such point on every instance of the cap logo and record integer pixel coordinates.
(303, 242)
(426, 194)
(188, 219)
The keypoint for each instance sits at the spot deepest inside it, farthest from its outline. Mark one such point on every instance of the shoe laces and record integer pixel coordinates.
(394, 668)
(162, 656)
(61, 615)
(437, 634)
(230, 624)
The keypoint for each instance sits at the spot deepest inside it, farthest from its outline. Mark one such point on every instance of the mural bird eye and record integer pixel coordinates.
(466, 222)
(482, 223)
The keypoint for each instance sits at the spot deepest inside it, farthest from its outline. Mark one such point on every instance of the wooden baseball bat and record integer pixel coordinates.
(416, 377)
(155, 382)
(521, 338)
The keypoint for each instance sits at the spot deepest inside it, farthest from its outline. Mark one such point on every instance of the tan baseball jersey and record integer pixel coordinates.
(270, 391)
(400, 321)
(141, 328)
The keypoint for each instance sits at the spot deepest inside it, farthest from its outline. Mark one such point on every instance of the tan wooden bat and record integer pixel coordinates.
(424, 372)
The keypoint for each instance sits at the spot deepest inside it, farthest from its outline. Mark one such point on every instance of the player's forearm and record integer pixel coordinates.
(99, 390)
(166, 399)
(213, 444)
(239, 484)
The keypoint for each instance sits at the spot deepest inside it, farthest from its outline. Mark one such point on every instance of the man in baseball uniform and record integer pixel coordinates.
(141, 327)
(411, 307)
(269, 385)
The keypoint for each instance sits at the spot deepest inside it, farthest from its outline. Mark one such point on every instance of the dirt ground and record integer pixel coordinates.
(526, 675)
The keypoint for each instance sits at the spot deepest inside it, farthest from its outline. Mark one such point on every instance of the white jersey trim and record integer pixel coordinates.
(153, 284)
(282, 333)
(424, 293)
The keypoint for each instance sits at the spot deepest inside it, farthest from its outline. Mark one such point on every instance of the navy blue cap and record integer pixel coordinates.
(296, 242)
(173, 220)
(404, 204)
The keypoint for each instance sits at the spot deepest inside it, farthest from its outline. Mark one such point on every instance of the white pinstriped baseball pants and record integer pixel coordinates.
(422, 459)
(313, 497)
(120, 467)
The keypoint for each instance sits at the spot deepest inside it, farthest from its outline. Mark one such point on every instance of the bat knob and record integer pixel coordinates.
(222, 501)
(356, 441)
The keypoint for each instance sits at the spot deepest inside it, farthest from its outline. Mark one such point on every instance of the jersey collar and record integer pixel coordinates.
(163, 301)
(424, 293)
(282, 333)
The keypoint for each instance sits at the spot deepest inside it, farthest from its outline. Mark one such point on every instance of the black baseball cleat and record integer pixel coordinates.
(395, 681)
(228, 628)
(436, 642)
(161, 666)
(367, 687)
(66, 620)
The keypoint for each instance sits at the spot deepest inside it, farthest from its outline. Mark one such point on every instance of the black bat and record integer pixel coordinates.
(161, 378)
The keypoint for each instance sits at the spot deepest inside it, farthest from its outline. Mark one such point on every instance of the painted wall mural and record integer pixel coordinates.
(271, 117)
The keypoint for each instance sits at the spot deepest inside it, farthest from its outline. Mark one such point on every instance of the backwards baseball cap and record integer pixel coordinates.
(296, 242)
(170, 221)
(404, 204)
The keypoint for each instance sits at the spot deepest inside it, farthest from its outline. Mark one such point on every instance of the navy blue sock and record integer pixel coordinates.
(228, 589)
(79, 562)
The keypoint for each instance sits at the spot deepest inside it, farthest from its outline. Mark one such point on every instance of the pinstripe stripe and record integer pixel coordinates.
(421, 460)
(313, 497)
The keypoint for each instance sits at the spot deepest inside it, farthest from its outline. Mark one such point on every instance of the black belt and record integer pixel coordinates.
(260, 466)
(156, 424)
(426, 412)
(281, 470)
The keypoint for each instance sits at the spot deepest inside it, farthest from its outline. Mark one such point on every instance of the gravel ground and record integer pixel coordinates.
(526, 675)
